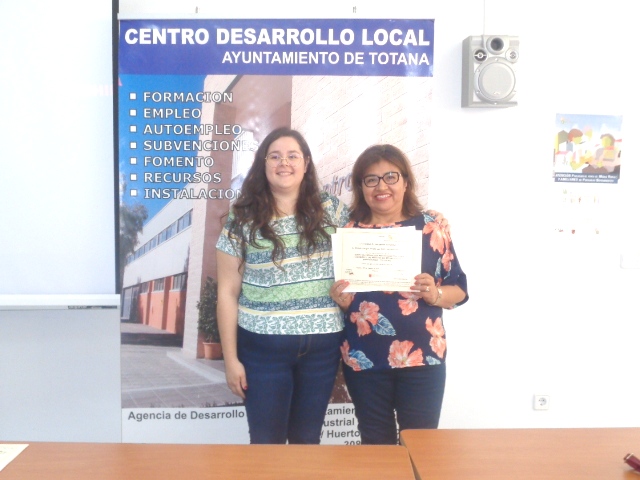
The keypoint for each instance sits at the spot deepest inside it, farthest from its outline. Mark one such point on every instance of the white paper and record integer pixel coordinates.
(9, 451)
(385, 259)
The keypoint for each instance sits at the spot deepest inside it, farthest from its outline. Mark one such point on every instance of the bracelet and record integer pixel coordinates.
(439, 297)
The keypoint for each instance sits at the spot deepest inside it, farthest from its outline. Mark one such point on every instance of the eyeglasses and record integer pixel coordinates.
(389, 178)
(274, 159)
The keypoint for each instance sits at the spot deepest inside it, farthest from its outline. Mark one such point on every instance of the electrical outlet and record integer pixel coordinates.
(541, 402)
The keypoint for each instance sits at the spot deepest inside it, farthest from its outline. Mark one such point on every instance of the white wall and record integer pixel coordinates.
(549, 314)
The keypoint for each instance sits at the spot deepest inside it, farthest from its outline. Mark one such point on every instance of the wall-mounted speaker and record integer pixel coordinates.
(489, 71)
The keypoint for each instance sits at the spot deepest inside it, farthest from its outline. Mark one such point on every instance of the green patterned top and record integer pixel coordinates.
(294, 299)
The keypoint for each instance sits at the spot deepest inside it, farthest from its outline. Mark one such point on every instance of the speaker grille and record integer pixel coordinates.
(495, 81)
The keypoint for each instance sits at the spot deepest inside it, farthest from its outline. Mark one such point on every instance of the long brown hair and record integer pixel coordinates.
(360, 211)
(256, 205)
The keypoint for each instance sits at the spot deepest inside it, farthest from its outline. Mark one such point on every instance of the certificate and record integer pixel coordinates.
(385, 259)
(9, 451)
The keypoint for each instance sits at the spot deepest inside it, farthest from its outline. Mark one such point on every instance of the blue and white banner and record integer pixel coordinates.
(277, 47)
(196, 97)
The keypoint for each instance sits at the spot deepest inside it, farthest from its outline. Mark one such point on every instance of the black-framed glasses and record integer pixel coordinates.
(275, 159)
(373, 180)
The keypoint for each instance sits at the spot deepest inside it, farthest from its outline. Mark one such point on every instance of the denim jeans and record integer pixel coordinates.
(290, 379)
(412, 396)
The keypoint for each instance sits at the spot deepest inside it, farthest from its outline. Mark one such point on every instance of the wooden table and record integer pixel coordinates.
(522, 454)
(117, 461)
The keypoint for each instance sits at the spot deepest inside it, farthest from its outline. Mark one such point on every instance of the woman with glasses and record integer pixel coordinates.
(280, 330)
(395, 346)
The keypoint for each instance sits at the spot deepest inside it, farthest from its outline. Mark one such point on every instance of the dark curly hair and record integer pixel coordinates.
(256, 206)
(360, 211)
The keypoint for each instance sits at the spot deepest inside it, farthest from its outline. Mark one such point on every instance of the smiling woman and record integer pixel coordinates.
(395, 345)
(285, 171)
(279, 327)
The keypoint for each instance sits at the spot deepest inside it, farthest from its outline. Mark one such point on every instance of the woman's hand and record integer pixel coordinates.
(236, 377)
(342, 298)
(426, 288)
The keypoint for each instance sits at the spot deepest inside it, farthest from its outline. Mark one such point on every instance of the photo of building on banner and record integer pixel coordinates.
(196, 98)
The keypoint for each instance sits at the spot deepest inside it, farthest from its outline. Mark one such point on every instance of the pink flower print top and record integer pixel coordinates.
(386, 330)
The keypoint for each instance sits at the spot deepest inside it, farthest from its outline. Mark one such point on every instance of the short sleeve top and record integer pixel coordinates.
(292, 298)
(385, 330)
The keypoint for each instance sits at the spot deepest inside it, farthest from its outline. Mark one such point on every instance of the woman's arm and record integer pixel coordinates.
(444, 296)
(425, 286)
(229, 287)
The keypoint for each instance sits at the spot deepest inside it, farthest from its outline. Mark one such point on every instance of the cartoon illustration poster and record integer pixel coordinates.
(586, 170)
(588, 148)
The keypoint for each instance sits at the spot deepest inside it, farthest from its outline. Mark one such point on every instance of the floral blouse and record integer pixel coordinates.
(385, 330)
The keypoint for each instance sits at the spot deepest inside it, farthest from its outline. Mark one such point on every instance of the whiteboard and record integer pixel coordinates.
(57, 201)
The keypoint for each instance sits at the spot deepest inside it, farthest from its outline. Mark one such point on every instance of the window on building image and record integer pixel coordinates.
(158, 285)
(171, 230)
(179, 282)
(184, 221)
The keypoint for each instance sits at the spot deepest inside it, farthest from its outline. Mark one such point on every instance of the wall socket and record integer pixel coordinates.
(541, 402)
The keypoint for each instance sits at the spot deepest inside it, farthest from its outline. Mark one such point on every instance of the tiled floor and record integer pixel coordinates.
(155, 373)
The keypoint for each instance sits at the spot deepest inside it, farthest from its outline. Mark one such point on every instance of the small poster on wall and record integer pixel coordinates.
(586, 170)
(587, 148)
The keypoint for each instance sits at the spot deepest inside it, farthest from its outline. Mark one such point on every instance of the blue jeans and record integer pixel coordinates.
(412, 396)
(290, 379)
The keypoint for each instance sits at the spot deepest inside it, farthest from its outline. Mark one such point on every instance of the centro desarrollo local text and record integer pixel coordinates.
(276, 36)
